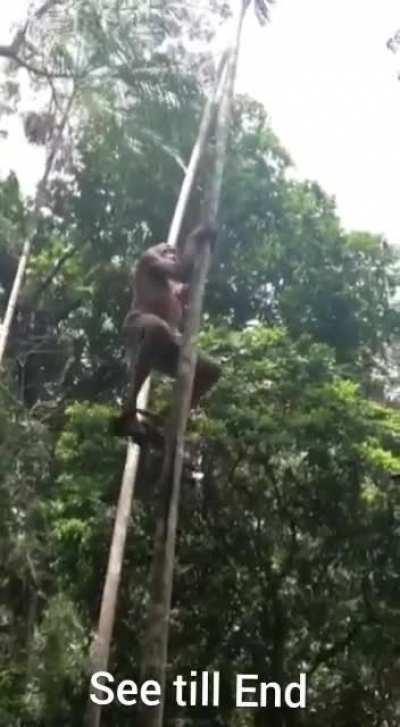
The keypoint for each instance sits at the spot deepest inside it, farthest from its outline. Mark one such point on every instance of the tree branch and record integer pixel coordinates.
(52, 273)
(10, 54)
(12, 51)
(328, 653)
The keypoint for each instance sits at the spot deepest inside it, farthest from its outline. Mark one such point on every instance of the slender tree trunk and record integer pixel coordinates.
(27, 246)
(102, 640)
(101, 645)
(155, 645)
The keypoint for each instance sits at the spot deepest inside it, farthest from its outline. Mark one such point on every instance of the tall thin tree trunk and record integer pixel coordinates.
(27, 246)
(101, 644)
(155, 644)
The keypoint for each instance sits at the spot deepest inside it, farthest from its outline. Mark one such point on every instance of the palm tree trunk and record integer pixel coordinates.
(155, 644)
(101, 645)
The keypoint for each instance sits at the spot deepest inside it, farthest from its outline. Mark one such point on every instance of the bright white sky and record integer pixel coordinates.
(330, 86)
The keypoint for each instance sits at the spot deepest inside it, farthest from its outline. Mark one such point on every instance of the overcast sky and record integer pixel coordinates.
(330, 86)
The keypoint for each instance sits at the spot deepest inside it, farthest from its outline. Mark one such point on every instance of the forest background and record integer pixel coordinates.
(288, 549)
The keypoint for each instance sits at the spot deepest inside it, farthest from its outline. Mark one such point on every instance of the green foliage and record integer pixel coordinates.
(12, 230)
(12, 214)
(298, 485)
(288, 554)
(24, 471)
(57, 662)
(86, 484)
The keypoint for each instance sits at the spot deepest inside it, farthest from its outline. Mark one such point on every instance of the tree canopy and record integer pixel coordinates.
(288, 553)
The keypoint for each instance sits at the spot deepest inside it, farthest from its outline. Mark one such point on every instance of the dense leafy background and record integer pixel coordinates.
(288, 553)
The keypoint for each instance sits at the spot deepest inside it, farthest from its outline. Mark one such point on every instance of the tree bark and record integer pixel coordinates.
(102, 640)
(154, 664)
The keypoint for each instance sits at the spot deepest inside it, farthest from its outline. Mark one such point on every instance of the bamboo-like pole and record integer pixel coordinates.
(155, 645)
(27, 246)
(100, 651)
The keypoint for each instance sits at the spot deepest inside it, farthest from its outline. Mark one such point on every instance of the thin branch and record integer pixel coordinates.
(47, 5)
(11, 51)
(27, 246)
(330, 652)
(52, 273)
(169, 150)
(11, 55)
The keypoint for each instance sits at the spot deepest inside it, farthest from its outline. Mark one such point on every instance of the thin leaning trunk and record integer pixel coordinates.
(100, 651)
(27, 246)
(155, 644)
